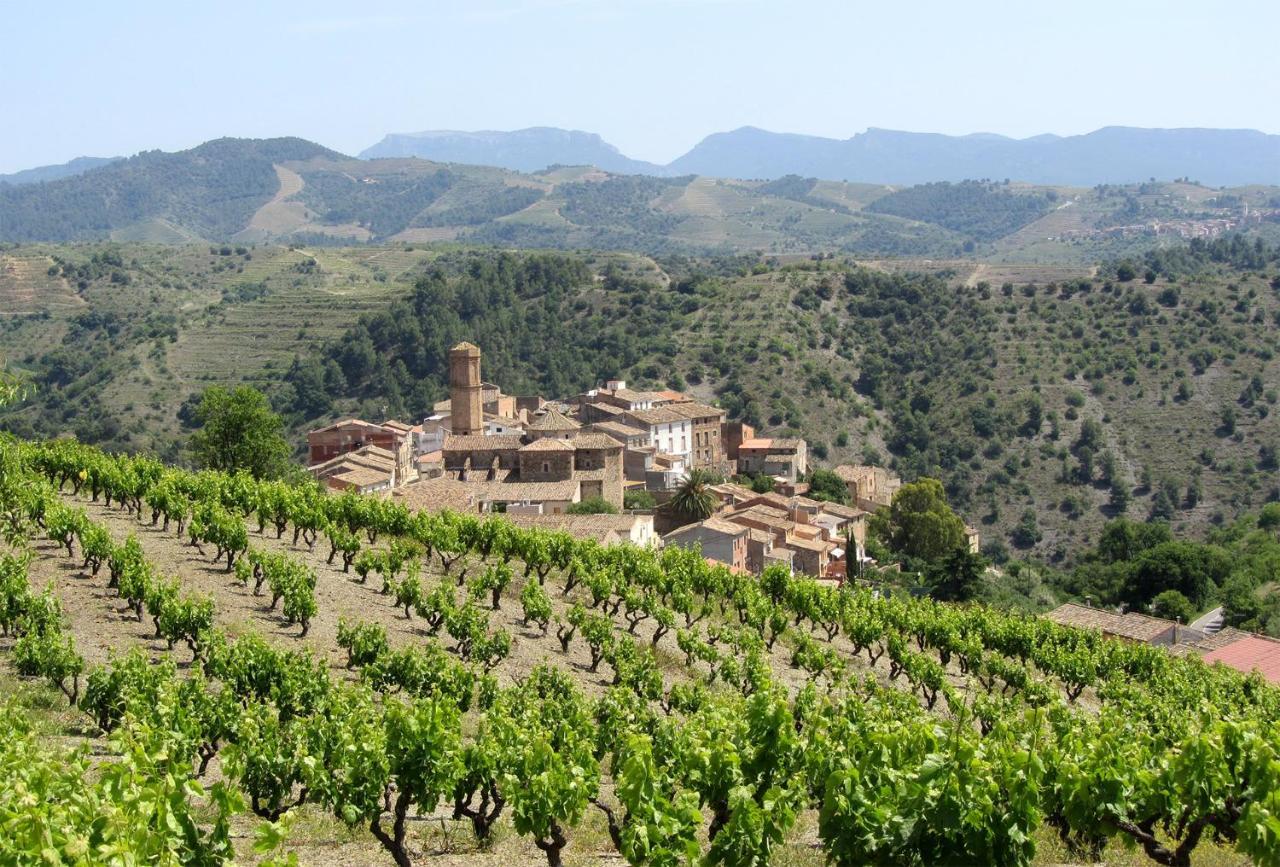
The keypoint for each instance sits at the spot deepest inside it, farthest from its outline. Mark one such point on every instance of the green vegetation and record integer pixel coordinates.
(210, 191)
(694, 500)
(593, 506)
(1024, 727)
(236, 431)
(980, 210)
(1047, 401)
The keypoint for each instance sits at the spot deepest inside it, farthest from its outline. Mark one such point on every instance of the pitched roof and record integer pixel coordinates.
(757, 443)
(479, 442)
(1138, 627)
(657, 415)
(548, 444)
(689, 409)
(620, 428)
(433, 495)
(594, 441)
(553, 419)
(716, 525)
(1253, 653)
(464, 345)
(509, 491)
(849, 512)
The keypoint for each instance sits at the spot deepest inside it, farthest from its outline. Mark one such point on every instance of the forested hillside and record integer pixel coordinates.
(291, 191)
(1048, 400)
(210, 191)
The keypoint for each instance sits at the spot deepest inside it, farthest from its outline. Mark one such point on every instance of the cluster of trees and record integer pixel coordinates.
(1141, 565)
(981, 210)
(528, 313)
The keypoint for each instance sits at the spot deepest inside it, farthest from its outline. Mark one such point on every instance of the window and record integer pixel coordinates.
(546, 466)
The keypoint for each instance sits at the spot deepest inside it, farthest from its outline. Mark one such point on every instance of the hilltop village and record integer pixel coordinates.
(577, 464)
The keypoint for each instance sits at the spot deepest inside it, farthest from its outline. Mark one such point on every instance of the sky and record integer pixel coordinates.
(653, 77)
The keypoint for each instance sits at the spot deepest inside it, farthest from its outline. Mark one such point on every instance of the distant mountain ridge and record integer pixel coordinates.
(1111, 155)
(70, 169)
(523, 150)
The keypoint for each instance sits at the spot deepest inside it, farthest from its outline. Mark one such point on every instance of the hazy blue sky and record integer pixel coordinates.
(652, 76)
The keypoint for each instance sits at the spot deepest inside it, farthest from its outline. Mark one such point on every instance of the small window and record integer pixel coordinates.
(546, 466)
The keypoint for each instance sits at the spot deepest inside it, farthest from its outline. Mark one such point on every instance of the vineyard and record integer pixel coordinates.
(340, 655)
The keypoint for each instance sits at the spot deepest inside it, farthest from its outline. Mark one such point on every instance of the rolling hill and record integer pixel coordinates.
(42, 174)
(289, 190)
(1028, 388)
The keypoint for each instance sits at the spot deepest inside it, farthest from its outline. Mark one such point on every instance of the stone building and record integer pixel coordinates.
(545, 469)
(352, 434)
(466, 401)
(869, 487)
(784, 458)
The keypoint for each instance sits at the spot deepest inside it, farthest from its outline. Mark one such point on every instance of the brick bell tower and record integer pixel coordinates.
(465, 400)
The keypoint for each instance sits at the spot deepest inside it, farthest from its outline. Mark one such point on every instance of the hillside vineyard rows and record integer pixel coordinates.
(981, 728)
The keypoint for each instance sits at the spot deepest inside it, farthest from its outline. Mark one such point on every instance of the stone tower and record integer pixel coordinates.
(466, 405)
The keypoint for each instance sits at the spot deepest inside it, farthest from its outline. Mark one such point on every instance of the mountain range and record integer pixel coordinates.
(77, 166)
(1112, 155)
(290, 189)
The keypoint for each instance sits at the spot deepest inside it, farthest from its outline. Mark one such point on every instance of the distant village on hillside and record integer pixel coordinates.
(533, 459)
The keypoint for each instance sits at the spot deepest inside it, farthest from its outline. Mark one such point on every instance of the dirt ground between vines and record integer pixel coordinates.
(103, 626)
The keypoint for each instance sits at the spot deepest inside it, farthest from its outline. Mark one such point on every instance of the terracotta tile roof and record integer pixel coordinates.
(657, 415)
(1253, 653)
(715, 525)
(478, 442)
(547, 445)
(688, 409)
(757, 443)
(346, 422)
(464, 345)
(510, 491)
(734, 491)
(433, 495)
(619, 428)
(553, 419)
(1221, 638)
(1138, 627)
(360, 477)
(397, 426)
(849, 512)
(808, 544)
(595, 441)
(671, 395)
(366, 457)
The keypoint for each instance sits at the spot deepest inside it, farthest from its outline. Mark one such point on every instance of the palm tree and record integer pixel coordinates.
(695, 499)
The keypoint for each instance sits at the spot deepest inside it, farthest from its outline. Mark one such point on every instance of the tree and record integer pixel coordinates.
(593, 506)
(238, 431)
(1172, 605)
(1027, 532)
(694, 499)
(919, 523)
(826, 485)
(1193, 569)
(958, 576)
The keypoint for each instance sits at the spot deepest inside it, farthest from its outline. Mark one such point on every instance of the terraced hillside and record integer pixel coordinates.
(471, 693)
(1052, 391)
